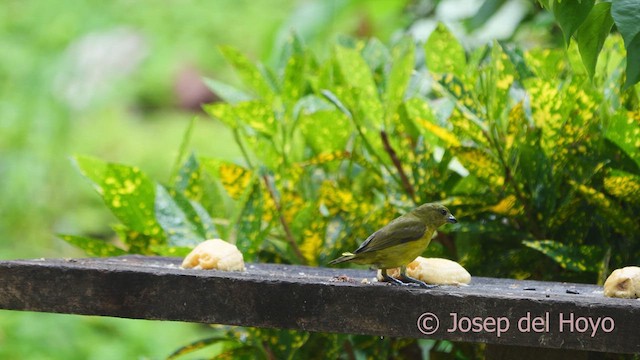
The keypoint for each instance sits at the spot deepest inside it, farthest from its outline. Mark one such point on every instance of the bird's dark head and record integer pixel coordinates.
(434, 213)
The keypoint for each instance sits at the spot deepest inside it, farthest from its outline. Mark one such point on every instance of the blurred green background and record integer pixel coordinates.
(113, 80)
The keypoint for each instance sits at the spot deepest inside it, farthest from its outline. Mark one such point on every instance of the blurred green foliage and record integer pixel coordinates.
(131, 117)
(590, 24)
(317, 175)
(65, 337)
(539, 162)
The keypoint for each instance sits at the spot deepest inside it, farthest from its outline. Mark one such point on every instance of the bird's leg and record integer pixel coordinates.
(390, 279)
(408, 279)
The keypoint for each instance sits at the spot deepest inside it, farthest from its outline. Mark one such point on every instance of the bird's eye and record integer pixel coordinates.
(443, 212)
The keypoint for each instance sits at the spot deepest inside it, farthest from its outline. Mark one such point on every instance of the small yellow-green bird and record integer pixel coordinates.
(400, 242)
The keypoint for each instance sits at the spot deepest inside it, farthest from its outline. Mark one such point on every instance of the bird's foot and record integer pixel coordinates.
(392, 280)
(408, 280)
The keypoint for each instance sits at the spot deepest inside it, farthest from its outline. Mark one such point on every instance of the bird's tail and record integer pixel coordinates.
(347, 256)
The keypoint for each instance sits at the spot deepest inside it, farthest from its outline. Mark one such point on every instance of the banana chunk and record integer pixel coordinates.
(214, 254)
(434, 271)
(623, 283)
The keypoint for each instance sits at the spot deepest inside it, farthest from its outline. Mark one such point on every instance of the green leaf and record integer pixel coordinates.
(294, 77)
(188, 178)
(444, 54)
(180, 221)
(398, 78)
(227, 92)
(93, 247)
(571, 257)
(138, 242)
(362, 87)
(326, 131)
(633, 62)
(356, 71)
(127, 192)
(249, 73)
(592, 34)
(258, 115)
(570, 14)
(250, 227)
(626, 15)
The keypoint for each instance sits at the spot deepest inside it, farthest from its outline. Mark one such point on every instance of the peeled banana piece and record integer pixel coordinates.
(435, 271)
(214, 254)
(623, 283)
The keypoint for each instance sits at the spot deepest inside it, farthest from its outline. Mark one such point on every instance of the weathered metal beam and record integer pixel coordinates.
(494, 311)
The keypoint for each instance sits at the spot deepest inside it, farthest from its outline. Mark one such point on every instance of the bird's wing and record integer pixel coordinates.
(390, 236)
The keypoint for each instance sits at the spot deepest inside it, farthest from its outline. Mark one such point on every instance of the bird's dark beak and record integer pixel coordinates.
(452, 219)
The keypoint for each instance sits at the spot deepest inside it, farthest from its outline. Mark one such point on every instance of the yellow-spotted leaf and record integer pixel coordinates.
(614, 213)
(624, 131)
(127, 192)
(258, 115)
(138, 242)
(418, 112)
(93, 247)
(307, 226)
(294, 82)
(508, 206)
(326, 131)
(361, 84)
(355, 70)
(571, 257)
(444, 54)
(465, 100)
(234, 178)
(249, 73)
(547, 64)
(481, 165)
(223, 112)
(398, 78)
(179, 220)
(623, 185)
(189, 179)
(251, 226)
